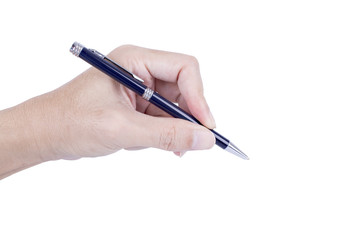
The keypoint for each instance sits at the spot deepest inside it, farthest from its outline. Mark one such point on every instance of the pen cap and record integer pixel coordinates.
(76, 48)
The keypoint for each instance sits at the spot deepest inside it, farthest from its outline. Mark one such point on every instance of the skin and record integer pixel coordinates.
(93, 115)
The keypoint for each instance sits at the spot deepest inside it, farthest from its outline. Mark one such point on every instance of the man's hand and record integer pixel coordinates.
(93, 115)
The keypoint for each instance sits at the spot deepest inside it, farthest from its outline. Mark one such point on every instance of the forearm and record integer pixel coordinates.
(20, 146)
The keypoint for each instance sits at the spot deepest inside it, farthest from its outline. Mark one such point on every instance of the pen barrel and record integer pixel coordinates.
(177, 112)
(112, 71)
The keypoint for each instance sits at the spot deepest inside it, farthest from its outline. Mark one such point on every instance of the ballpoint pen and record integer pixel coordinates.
(134, 83)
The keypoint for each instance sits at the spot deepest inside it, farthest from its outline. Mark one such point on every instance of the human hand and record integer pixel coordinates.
(93, 115)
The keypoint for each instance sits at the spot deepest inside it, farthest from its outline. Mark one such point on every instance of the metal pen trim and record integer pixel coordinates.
(148, 94)
(76, 49)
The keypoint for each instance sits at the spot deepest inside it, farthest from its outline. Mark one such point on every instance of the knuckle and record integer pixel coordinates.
(122, 52)
(167, 139)
(192, 61)
(125, 47)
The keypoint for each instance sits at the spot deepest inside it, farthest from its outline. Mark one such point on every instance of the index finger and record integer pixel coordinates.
(183, 70)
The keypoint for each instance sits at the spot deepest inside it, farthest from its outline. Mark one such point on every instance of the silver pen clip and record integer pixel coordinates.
(97, 53)
(117, 65)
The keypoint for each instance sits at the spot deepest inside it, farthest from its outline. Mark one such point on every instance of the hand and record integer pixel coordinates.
(93, 115)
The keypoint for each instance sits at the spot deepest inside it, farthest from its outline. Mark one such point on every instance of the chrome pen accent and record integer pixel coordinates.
(136, 77)
(76, 48)
(236, 151)
(148, 94)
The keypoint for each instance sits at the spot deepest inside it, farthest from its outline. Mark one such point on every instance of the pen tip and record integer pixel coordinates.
(236, 151)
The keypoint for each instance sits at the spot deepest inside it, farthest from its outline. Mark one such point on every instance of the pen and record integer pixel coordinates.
(134, 83)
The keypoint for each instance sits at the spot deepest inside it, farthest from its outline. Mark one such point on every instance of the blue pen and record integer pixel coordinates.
(136, 84)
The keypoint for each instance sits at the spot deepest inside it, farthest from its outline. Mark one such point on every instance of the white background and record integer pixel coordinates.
(281, 78)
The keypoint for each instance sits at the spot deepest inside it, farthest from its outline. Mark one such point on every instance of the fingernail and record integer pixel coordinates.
(179, 154)
(212, 119)
(203, 139)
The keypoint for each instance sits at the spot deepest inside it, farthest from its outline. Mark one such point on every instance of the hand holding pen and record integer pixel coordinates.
(137, 85)
(134, 122)
(93, 115)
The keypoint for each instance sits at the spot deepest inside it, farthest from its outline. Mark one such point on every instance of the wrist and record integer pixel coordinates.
(37, 122)
(18, 150)
(26, 133)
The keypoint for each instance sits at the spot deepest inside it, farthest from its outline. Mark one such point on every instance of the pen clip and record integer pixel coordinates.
(126, 72)
(123, 69)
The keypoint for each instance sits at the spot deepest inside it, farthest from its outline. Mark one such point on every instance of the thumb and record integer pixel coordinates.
(172, 134)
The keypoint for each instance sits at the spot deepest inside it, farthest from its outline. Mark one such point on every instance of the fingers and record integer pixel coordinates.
(171, 134)
(183, 70)
(158, 67)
